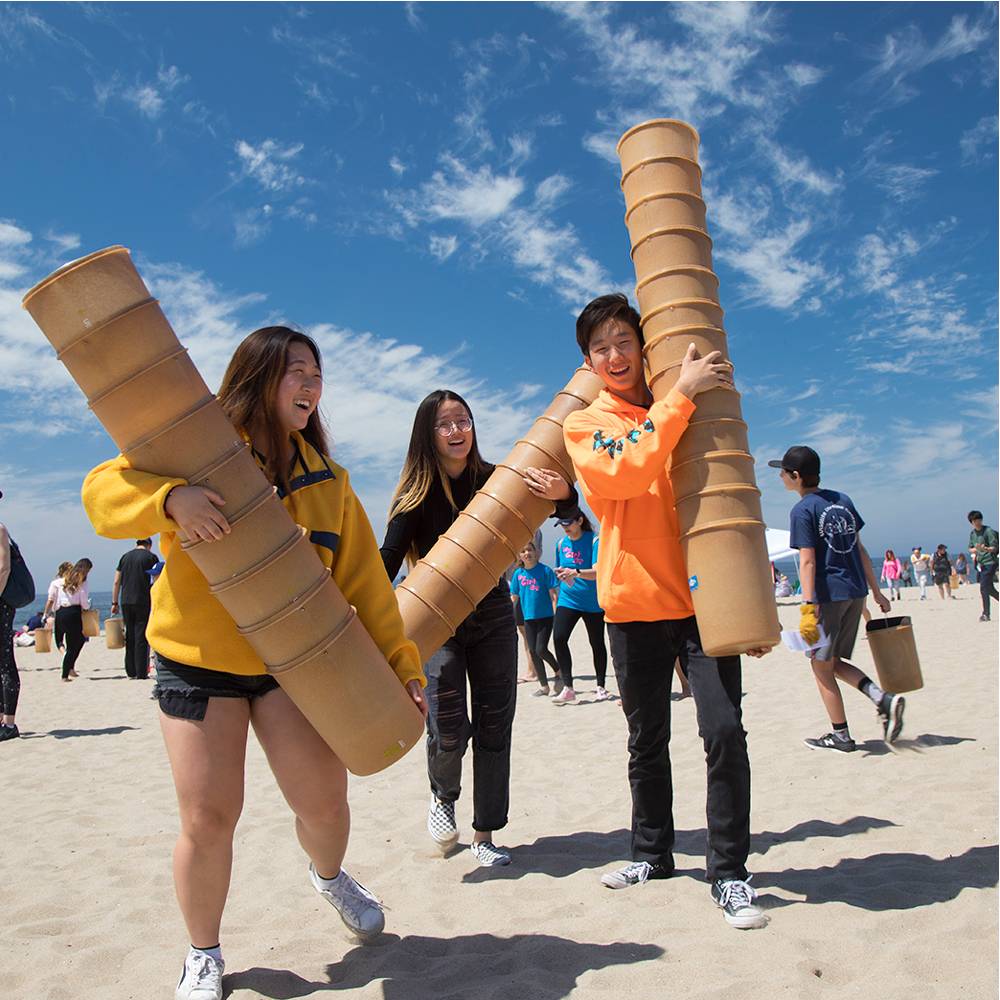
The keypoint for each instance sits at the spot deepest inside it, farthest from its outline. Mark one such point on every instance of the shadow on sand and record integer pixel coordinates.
(471, 965)
(66, 734)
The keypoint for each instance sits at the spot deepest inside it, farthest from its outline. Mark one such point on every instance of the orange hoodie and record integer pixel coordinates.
(621, 454)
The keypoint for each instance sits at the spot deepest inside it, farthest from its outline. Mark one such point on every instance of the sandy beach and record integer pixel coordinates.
(878, 869)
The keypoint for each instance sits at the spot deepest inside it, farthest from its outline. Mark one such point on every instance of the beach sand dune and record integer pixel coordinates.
(878, 869)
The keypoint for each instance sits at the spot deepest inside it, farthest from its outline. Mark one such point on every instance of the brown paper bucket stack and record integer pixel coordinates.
(114, 633)
(118, 346)
(894, 650)
(43, 640)
(712, 471)
(466, 562)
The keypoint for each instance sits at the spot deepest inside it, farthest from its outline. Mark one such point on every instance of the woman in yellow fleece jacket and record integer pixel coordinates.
(211, 685)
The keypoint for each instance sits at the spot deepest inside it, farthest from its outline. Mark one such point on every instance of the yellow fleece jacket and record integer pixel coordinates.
(188, 624)
(621, 454)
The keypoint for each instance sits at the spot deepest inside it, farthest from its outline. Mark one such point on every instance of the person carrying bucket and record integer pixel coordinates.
(836, 574)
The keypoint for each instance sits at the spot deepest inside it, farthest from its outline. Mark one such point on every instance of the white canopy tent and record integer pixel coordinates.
(779, 545)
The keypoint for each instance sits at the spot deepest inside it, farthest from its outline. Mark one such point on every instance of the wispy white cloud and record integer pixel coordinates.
(459, 192)
(148, 97)
(804, 75)
(979, 143)
(442, 247)
(397, 166)
(412, 11)
(270, 164)
(328, 50)
(798, 171)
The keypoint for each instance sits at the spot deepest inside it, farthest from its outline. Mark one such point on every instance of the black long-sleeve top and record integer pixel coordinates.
(426, 523)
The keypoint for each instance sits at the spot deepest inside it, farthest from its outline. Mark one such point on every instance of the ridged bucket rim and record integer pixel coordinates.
(647, 160)
(72, 265)
(657, 121)
(660, 195)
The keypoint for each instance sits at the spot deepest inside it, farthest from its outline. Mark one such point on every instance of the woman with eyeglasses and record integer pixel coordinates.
(442, 472)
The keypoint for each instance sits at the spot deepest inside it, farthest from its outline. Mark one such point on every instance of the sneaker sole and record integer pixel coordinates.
(748, 923)
(813, 746)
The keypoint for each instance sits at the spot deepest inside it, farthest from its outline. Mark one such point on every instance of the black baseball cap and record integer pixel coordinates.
(799, 458)
(574, 514)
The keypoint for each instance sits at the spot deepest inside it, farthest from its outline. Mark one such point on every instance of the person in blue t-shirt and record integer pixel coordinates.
(836, 575)
(533, 588)
(576, 567)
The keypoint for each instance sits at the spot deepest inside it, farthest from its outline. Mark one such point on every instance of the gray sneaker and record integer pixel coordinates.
(738, 903)
(360, 910)
(441, 824)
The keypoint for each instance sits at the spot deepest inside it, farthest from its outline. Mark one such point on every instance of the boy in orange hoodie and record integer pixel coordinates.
(621, 446)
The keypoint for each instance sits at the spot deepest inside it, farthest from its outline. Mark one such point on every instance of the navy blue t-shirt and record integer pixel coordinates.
(828, 522)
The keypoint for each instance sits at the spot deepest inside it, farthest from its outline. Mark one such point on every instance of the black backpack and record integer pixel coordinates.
(20, 588)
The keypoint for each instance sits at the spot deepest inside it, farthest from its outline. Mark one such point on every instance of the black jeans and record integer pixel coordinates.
(483, 652)
(566, 619)
(538, 631)
(643, 654)
(987, 586)
(69, 621)
(136, 618)
(10, 682)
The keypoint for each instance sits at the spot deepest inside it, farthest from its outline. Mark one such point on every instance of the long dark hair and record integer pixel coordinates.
(249, 393)
(889, 554)
(422, 465)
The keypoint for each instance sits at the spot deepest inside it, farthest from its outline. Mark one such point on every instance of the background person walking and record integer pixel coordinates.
(921, 563)
(132, 586)
(70, 600)
(533, 589)
(983, 544)
(892, 570)
(941, 569)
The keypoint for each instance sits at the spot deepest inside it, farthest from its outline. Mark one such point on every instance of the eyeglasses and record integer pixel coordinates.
(463, 426)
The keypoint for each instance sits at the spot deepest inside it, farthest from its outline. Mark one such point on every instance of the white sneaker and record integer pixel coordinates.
(201, 978)
(360, 910)
(488, 854)
(564, 697)
(441, 824)
(602, 694)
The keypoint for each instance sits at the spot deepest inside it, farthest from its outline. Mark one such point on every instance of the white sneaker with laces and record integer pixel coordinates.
(441, 824)
(634, 873)
(201, 978)
(360, 910)
(601, 694)
(739, 903)
(489, 855)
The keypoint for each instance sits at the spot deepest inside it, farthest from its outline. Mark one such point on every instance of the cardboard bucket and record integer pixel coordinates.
(299, 627)
(140, 405)
(671, 247)
(352, 698)
(426, 624)
(256, 532)
(711, 468)
(234, 477)
(545, 450)
(114, 633)
(266, 587)
(894, 650)
(654, 139)
(730, 580)
(91, 623)
(102, 357)
(718, 503)
(663, 173)
(474, 534)
(678, 313)
(664, 352)
(184, 446)
(703, 435)
(85, 294)
(472, 569)
(664, 210)
(43, 640)
(672, 283)
(953, 581)
(580, 391)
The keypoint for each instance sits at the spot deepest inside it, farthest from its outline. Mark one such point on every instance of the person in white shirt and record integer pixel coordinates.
(69, 598)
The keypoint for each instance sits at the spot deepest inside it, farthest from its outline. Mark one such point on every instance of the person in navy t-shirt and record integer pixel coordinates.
(533, 588)
(836, 575)
(576, 567)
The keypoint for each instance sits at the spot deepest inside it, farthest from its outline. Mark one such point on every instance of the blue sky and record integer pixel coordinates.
(431, 191)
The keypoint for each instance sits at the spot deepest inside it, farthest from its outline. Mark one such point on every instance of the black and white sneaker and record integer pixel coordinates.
(738, 903)
(831, 741)
(635, 873)
(489, 855)
(441, 824)
(890, 714)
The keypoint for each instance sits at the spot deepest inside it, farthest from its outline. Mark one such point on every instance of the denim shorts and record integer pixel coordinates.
(183, 691)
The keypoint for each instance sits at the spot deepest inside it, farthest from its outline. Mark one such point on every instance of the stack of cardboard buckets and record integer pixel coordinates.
(110, 333)
(712, 471)
(466, 562)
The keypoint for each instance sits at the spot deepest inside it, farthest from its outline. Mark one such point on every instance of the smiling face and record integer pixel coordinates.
(615, 354)
(528, 556)
(451, 443)
(300, 388)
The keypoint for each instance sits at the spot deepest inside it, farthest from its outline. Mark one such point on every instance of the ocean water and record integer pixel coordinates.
(100, 599)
